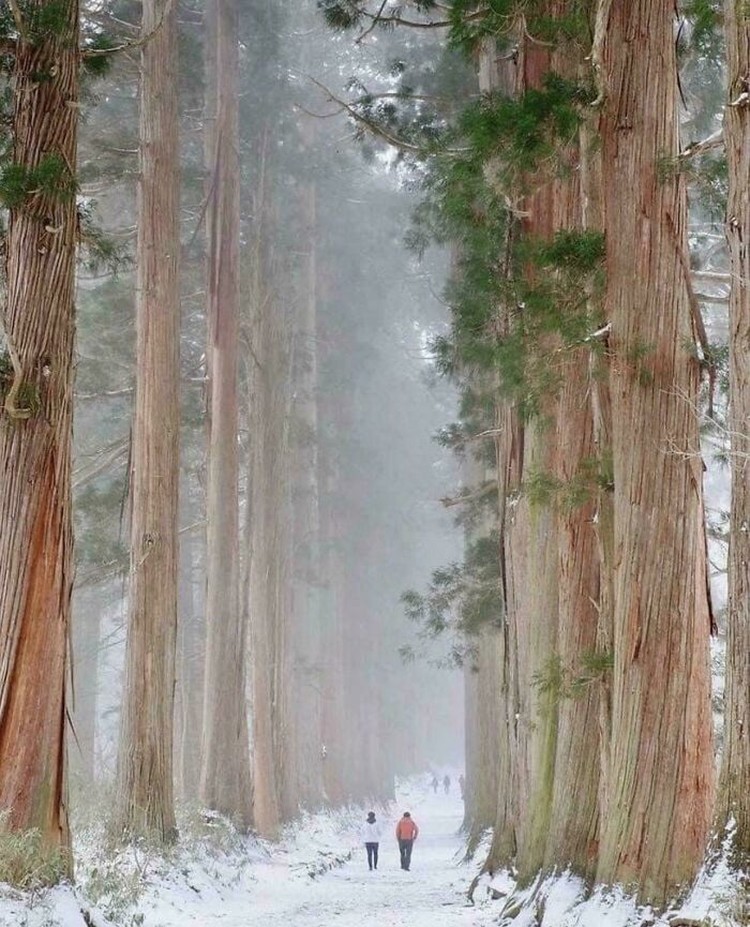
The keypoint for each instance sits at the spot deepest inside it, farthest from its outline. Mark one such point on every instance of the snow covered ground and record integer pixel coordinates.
(432, 893)
(317, 876)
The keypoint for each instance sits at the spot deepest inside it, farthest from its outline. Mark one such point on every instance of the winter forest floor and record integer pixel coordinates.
(432, 893)
(317, 876)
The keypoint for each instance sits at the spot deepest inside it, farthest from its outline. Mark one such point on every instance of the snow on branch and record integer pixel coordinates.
(711, 143)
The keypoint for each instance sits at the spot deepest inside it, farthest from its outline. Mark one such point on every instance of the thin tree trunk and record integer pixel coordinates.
(661, 768)
(225, 773)
(734, 783)
(36, 568)
(84, 658)
(307, 679)
(334, 706)
(268, 529)
(145, 797)
(190, 652)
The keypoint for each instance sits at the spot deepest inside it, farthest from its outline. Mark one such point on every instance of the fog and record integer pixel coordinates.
(355, 474)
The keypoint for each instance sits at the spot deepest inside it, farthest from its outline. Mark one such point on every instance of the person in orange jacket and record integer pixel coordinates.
(406, 833)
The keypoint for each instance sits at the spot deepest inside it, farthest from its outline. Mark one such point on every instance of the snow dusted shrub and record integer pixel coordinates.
(209, 831)
(115, 888)
(732, 902)
(26, 862)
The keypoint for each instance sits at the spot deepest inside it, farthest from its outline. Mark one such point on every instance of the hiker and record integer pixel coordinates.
(406, 833)
(462, 786)
(447, 783)
(371, 834)
(435, 784)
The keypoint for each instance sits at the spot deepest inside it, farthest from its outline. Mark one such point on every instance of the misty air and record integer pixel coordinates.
(374, 411)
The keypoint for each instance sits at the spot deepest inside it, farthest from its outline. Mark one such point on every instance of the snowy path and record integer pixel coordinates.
(432, 893)
(269, 885)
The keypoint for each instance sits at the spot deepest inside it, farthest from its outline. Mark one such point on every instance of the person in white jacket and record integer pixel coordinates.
(371, 834)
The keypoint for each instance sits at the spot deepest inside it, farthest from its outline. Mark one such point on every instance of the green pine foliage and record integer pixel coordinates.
(51, 178)
(528, 129)
(510, 296)
(544, 489)
(705, 19)
(340, 14)
(462, 598)
(99, 251)
(98, 51)
(502, 296)
(558, 681)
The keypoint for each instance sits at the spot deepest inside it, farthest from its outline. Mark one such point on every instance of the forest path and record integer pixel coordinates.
(432, 893)
(278, 891)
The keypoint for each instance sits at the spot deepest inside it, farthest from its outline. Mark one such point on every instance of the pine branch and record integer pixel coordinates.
(486, 490)
(131, 43)
(104, 462)
(711, 276)
(377, 130)
(712, 143)
(18, 19)
(603, 10)
(374, 22)
(714, 300)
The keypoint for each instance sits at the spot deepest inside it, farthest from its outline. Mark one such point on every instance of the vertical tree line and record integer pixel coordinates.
(233, 505)
(578, 343)
(272, 359)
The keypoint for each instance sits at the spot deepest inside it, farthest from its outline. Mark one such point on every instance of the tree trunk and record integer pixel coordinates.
(734, 783)
(531, 534)
(190, 660)
(307, 657)
(225, 773)
(36, 567)
(268, 530)
(574, 814)
(81, 740)
(661, 775)
(145, 799)
(571, 841)
(601, 422)
(334, 710)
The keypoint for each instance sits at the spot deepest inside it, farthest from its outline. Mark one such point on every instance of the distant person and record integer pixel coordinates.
(406, 833)
(462, 786)
(447, 783)
(435, 784)
(371, 834)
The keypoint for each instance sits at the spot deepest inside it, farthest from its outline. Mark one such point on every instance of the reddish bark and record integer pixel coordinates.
(36, 568)
(661, 767)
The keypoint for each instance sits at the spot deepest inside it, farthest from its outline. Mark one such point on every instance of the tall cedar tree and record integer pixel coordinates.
(734, 795)
(660, 775)
(225, 775)
(36, 567)
(145, 791)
